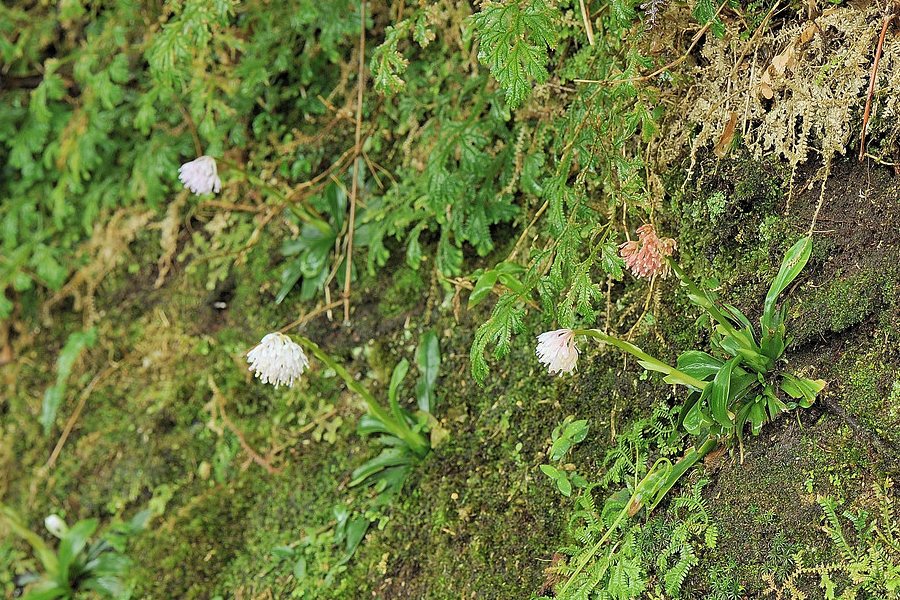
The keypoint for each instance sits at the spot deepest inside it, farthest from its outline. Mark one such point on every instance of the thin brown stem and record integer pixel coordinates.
(888, 17)
(70, 424)
(361, 82)
(587, 23)
(219, 403)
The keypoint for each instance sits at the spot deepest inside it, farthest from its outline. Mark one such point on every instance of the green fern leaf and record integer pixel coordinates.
(514, 37)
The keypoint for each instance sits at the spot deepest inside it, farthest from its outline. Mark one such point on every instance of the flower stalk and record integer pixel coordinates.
(397, 426)
(648, 362)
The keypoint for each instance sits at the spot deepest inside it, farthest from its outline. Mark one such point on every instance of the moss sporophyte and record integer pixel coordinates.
(725, 392)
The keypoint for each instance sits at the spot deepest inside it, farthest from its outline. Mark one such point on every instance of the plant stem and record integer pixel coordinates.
(681, 467)
(700, 298)
(647, 361)
(414, 440)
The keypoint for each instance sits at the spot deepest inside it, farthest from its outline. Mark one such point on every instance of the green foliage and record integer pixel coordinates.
(514, 37)
(77, 568)
(314, 247)
(868, 563)
(705, 12)
(736, 390)
(318, 559)
(564, 436)
(54, 395)
(656, 556)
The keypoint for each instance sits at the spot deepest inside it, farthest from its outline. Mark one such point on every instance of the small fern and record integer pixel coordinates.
(868, 566)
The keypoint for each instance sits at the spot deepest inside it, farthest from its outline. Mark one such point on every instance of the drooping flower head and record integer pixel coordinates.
(646, 256)
(56, 526)
(277, 360)
(557, 350)
(200, 176)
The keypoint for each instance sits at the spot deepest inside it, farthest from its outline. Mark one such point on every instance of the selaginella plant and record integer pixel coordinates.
(280, 360)
(734, 385)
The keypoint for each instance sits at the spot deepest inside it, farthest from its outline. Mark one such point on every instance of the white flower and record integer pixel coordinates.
(557, 350)
(277, 360)
(200, 176)
(56, 526)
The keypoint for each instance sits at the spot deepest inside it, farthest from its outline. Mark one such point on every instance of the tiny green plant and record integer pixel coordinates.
(643, 558)
(77, 567)
(564, 436)
(280, 360)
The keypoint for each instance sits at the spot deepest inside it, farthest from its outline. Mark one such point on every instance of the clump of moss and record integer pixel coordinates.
(404, 295)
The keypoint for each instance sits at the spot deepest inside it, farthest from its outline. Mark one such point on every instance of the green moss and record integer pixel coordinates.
(404, 295)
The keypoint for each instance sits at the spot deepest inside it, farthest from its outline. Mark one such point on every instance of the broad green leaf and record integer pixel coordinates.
(720, 393)
(73, 543)
(428, 358)
(741, 416)
(757, 417)
(802, 388)
(105, 584)
(356, 531)
(396, 379)
(773, 342)
(564, 485)
(689, 403)
(576, 431)
(559, 448)
(109, 563)
(337, 204)
(369, 424)
(509, 268)
(389, 457)
(794, 261)
(483, 287)
(300, 569)
(699, 365)
(512, 283)
(742, 319)
(696, 419)
(550, 471)
(54, 592)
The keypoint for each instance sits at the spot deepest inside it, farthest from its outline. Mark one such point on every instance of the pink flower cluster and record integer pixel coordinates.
(646, 256)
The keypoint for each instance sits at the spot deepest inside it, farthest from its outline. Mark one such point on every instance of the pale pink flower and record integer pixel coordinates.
(646, 256)
(277, 360)
(201, 176)
(557, 350)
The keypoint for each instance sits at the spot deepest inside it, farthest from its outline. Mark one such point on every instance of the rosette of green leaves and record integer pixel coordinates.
(389, 469)
(739, 389)
(77, 566)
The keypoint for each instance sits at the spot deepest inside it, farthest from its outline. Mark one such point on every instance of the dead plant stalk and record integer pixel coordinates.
(361, 82)
(888, 17)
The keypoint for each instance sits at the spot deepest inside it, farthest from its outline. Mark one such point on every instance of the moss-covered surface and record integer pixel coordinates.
(476, 519)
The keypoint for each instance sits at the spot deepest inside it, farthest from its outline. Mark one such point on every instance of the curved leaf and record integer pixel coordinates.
(794, 261)
(699, 364)
(720, 392)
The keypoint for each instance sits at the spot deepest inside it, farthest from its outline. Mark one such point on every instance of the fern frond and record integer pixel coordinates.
(674, 577)
(834, 531)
